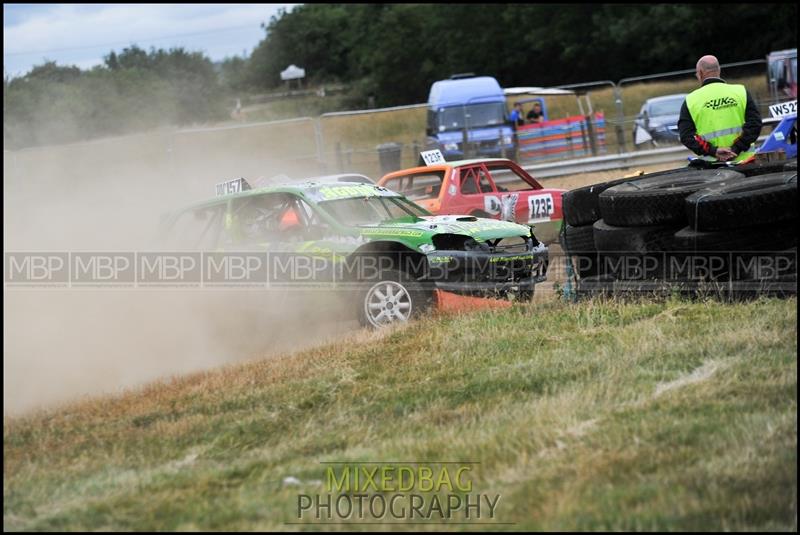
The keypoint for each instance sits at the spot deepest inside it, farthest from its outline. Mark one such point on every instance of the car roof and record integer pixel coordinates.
(311, 190)
(445, 165)
(667, 97)
(342, 177)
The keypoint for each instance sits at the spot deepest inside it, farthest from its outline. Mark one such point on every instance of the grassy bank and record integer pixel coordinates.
(669, 415)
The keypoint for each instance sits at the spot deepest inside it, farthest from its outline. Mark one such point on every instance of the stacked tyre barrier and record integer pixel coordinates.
(727, 232)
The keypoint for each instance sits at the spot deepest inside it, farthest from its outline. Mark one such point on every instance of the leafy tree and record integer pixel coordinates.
(397, 50)
(131, 91)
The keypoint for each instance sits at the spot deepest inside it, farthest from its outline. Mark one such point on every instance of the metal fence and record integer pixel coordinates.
(351, 140)
(376, 141)
(629, 94)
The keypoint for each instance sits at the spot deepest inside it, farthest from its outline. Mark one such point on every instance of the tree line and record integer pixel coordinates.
(395, 51)
(134, 90)
(391, 53)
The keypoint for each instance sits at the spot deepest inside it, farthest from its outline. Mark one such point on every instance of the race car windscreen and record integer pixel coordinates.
(472, 116)
(373, 210)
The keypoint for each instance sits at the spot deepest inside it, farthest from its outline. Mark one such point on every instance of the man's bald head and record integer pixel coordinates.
(707, 67)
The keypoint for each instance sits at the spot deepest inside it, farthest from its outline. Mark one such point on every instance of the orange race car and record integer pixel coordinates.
(491, 187)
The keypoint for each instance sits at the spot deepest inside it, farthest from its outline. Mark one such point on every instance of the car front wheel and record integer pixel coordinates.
(393, 299)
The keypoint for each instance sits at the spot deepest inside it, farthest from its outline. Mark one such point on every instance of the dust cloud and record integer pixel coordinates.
(107, 196)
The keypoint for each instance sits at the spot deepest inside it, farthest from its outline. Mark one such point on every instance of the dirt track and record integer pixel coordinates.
(63, 344)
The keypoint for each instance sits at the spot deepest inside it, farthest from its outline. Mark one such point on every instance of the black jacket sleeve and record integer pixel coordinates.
(688, 134)
(751, 128)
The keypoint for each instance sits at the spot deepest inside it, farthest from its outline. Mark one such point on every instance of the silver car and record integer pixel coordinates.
(658, 120)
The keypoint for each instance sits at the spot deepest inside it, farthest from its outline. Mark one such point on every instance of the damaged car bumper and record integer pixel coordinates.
(488, 274)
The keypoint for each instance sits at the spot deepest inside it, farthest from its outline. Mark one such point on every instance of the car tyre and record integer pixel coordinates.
(758, 200)
(757, 168)
(581, 206)
(394, 298)
(579, 242)
(657, 199)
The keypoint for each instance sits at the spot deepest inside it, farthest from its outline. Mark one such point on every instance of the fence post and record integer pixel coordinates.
(569, 140)
(620, 119)
(591, 134)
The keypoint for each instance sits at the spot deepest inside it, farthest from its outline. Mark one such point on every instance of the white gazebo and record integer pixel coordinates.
(292, 72)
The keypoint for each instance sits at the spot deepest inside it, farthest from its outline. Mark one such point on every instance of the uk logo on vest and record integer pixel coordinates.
(720, 103)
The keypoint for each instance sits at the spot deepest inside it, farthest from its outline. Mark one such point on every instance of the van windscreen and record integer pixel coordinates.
(471, 116)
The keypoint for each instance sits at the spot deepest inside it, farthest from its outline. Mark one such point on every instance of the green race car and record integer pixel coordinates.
(392, 254)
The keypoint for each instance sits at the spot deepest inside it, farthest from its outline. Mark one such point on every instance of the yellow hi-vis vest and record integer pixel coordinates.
(717, 110)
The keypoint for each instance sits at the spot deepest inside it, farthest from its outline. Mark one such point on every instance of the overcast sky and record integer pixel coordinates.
(81, 34)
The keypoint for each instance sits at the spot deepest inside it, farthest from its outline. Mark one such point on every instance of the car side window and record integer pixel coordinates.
(267, 218)
(417, 186)
(474, 181)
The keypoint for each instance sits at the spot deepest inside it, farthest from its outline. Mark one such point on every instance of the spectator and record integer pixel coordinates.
(718, 119)
(516, 115)
(535, 115)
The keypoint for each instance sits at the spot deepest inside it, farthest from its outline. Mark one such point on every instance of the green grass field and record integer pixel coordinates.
(670, 415)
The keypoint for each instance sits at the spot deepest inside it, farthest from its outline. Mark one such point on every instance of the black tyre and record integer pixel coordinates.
(739, 253)
(394, 298)
(763, 168)
(581, 205)
(634, 253)
(578, 242)
(633, 240)
(757, 238)
(757, 200)
(657, 200)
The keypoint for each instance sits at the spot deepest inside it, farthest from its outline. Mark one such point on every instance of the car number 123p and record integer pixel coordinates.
(540, 207)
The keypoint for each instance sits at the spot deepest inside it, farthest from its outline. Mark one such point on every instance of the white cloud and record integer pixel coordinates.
(80, 34)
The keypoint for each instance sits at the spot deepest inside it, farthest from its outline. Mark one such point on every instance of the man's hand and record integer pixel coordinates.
(725, 153)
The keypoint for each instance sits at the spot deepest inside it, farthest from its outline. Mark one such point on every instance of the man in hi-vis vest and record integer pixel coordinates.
(720, 120)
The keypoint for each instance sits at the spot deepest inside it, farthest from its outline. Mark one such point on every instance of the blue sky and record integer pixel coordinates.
(81, 34)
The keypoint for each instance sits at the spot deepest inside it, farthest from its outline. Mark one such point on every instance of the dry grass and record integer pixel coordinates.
(565, 407)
